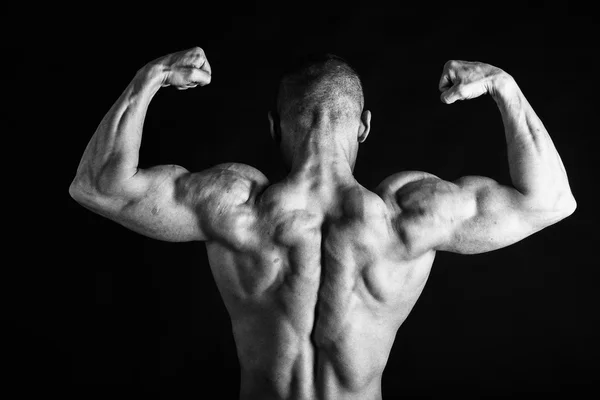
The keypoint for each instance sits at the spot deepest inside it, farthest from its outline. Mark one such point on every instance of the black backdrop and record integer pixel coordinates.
(88, 302)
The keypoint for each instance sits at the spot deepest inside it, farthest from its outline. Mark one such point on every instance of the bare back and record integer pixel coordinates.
(317, 272)
(316, 291)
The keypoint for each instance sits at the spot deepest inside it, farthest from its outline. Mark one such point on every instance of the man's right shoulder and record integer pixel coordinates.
(394, 182)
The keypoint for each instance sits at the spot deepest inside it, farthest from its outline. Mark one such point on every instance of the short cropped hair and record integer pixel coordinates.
(320, 80)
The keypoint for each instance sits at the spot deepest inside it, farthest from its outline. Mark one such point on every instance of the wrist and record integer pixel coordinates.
(154, 74)
(503, 86)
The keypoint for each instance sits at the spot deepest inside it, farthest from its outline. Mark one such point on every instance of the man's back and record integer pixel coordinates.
(316, 282)
(317, 272)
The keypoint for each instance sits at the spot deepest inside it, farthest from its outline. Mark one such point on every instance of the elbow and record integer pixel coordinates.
(98, 195)
(549, 210)
(81, 192)
(90, 198)
(560, 208)
(75, 190)
(88, 187)
(564, 203)
(570, 205)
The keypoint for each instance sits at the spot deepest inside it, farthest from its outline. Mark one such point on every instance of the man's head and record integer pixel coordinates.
(319, 91)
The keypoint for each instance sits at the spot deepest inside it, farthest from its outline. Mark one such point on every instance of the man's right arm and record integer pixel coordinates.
(477, 214)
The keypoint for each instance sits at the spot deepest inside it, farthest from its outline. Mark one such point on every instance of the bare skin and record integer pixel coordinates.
(317, 272)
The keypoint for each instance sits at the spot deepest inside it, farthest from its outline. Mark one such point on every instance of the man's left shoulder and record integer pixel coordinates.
(244, 171)
(224, 184)
(242, 178)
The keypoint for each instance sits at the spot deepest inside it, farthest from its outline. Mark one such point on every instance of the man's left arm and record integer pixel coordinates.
(151, 201)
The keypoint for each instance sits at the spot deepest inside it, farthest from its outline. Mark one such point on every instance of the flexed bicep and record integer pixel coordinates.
(539, 196)
(147, 203)
(169, 203)
(471, 215)
(488, 217)
(108, 180)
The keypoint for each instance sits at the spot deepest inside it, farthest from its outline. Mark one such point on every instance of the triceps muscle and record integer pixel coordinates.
(494, 218)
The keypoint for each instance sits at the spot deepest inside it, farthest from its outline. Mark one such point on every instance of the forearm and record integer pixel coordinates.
(536, 169)
(112, 154)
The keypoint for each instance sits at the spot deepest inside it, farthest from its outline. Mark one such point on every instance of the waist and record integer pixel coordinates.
(305, 381)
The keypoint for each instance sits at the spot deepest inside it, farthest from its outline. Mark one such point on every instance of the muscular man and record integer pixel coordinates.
(317, 272)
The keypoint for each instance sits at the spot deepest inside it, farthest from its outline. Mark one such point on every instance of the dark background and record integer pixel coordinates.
(88, 302)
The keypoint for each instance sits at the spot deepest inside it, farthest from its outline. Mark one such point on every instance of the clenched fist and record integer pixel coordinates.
(463, 80)
(186, 69)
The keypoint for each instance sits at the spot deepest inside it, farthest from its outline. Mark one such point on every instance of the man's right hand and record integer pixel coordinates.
(463, 80)
(185, 69)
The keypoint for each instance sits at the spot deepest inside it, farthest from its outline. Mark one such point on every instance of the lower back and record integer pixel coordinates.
(312, 374)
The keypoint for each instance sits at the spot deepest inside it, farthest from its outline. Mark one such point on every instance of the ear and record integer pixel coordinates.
(365, 126)
(273, 126)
